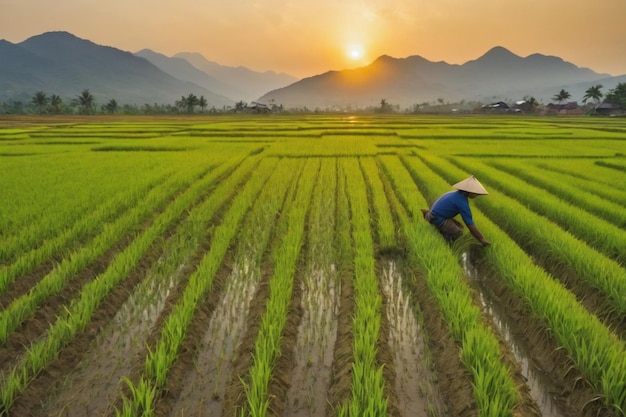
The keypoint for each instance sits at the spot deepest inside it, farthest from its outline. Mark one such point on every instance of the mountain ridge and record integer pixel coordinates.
(62, 63)
(499, 74)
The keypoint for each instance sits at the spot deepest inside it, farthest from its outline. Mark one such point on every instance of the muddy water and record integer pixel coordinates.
(414, 379)
(538, 389)
(205, 386)
(315, 344)
(94, 385)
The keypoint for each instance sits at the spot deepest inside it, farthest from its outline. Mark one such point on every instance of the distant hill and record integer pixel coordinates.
(63, 64)
(238, 83)
(497, 75)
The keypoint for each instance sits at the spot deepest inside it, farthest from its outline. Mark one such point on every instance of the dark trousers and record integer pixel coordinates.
(451, 229)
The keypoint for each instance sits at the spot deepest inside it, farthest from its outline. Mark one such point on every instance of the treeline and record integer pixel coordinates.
(85, 103)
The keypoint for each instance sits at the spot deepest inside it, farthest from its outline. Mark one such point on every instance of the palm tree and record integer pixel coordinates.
(192, 101)
(86, 102)
(202, 103)
(562, 96)
(385, 107)
(593, 93)
(182, 103)
(187, 103)
(40, 100)
(111, 106)
(55, 104)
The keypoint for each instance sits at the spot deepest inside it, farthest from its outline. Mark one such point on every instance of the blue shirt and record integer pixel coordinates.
(449, 205)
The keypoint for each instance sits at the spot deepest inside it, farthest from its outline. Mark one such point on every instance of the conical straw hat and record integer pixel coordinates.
(471, 185)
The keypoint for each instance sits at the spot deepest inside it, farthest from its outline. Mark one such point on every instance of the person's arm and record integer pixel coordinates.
(477, 235)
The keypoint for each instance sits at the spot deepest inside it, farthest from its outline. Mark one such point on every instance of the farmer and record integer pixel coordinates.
(442, 212)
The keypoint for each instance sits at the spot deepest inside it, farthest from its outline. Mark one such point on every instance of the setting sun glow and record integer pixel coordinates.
(355, 52)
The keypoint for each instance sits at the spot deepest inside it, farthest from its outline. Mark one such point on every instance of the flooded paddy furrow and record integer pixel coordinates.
(414, 383)
(36, 325)
(315, 344)
(38, 309)
(205, 386)
(217, 363)
(44, 389)
(318, 293)
(121, 343)
(93, 387)
(548, 372)
(451, 391)
(339, 390)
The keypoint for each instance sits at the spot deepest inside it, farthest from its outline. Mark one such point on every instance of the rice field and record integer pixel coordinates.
(280, 266)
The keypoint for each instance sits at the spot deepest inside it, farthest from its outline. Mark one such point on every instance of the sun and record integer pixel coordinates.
(355, 52)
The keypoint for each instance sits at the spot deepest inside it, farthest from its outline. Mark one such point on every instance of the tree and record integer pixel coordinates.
(56, 104)
(86, 101)
(192, 101)
(40, 100)
(562, 96)
(181, 104)
(111, 107)
(188, 103)
(202, 103)
(617, 95)
(240, 106)
(593, 93)
(385, 107)
(529, 104)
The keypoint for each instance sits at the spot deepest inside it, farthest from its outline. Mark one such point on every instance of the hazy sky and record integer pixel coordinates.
(308, 37)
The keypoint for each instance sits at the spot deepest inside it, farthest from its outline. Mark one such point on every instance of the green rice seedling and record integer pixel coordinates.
(562, 188)
(546, 239)
(588, 170)
(368, 396)
(21, 308)
(578, 173)
(385, 226)
(142, 403)
(598, 353)
(24, 261)
(597, 232)
(79, 313)
(285, 256)
(495, 390)
(160, 359)
(36, 207)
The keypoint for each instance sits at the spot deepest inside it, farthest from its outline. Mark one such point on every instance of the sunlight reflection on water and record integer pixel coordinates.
(534, 379)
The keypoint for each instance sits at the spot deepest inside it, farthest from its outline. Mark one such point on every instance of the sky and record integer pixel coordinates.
(309, 37)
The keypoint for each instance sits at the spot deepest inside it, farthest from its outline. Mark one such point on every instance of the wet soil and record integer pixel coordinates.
(572, 395)
(39, 322)
(413, 379)
(311, 366)
(204, 387)
(339, 390)
(234, 397)
(30, 402)
(52, 387)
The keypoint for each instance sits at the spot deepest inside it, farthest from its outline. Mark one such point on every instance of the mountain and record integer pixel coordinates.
(181, 69)
(239, 82)
(497, 75)
(63, 64)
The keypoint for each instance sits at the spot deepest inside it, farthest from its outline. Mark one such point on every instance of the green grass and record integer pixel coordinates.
(66, 182)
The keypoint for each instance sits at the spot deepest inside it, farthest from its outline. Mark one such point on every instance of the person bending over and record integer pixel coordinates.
(446, 207)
